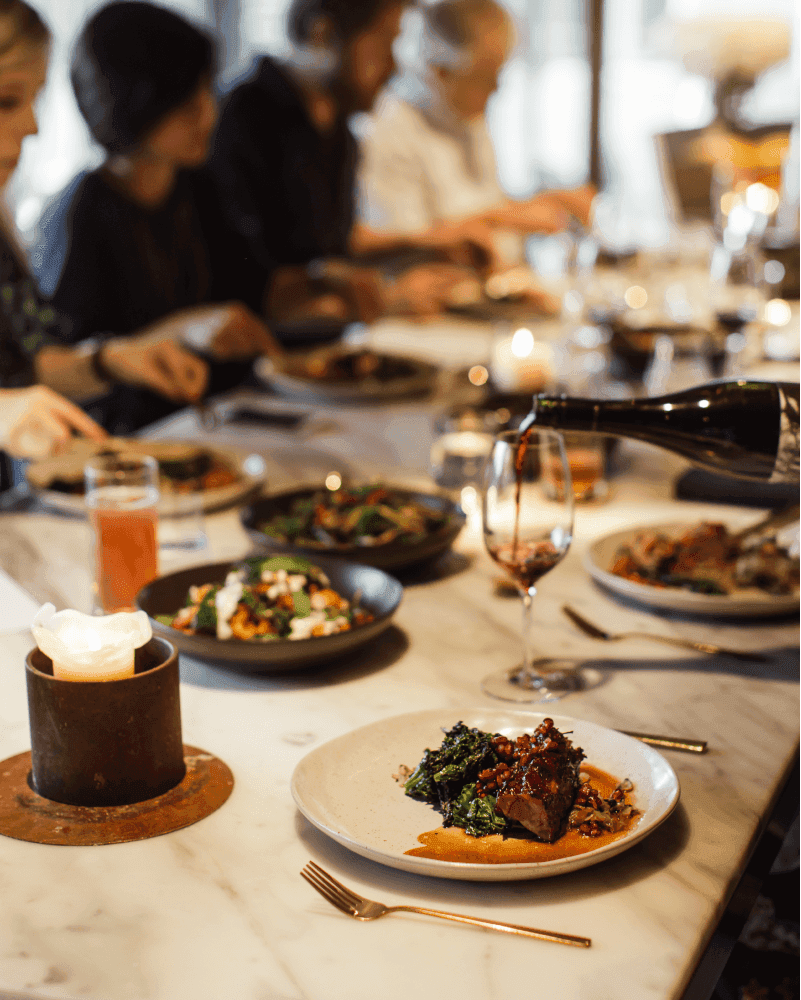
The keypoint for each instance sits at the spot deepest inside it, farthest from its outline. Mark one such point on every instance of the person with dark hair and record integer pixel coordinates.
(287, 161)
(36, 419)
(283, 147)
(144, 237)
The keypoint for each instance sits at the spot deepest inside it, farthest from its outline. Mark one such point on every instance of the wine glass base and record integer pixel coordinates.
(557, 679)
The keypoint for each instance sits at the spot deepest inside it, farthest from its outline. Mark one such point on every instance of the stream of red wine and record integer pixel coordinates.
(520, 460)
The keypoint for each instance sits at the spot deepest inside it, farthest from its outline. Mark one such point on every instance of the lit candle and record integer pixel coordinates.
(520, 363)
(87, 648)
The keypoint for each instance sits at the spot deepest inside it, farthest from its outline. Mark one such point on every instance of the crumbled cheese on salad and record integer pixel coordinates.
(225, 601)
(266, 599)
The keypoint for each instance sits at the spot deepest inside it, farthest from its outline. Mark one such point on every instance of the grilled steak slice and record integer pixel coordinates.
(537, 781)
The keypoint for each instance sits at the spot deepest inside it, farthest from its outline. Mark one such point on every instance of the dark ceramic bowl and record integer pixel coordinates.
(633, 346)
(392, 556)
(380, 594)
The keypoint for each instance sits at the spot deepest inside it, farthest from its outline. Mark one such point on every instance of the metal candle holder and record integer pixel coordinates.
(107, 764)
(106, 743)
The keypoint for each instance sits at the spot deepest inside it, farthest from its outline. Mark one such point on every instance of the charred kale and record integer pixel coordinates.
(446, 779)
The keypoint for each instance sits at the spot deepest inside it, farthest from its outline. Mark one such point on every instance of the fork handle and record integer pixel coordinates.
(498, 925)
(700, 647)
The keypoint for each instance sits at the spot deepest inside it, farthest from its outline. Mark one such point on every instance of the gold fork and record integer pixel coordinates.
(359, 908)
(672, 640)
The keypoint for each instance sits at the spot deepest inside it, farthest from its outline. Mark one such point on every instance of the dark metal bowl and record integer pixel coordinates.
(392, 556)
(379, 593)
(633, 346)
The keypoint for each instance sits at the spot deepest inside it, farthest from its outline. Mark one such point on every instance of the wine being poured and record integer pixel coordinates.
(745, 429)
(528, 531)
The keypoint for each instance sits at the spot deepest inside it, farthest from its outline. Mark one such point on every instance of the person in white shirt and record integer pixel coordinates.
(428, 164)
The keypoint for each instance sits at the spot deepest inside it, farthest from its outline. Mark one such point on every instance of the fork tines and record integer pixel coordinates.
(328, 887)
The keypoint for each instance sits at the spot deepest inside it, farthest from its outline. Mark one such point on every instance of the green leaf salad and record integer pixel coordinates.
(446, 779)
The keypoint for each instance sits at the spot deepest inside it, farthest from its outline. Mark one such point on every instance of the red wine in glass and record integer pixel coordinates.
(526, 562)
(527, 531)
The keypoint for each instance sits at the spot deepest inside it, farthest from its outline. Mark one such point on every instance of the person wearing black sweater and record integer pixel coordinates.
(144, 236)
(292, 184)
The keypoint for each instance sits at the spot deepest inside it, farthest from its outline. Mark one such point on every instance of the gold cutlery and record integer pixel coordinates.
(667, 742)
(359, 908)
(671, 640)
(773, 522)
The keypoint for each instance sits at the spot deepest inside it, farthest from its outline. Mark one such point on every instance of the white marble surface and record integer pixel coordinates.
(218, 910)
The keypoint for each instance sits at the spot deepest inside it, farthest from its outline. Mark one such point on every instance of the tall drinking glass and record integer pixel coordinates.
(122, 495)
(527, 531)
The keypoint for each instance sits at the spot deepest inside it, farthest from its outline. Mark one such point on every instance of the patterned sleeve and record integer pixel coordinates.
(26, 324)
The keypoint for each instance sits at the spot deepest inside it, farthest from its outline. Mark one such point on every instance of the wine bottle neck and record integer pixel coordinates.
(570, 414)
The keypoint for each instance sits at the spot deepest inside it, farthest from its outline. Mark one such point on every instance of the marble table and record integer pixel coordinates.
(218, 910)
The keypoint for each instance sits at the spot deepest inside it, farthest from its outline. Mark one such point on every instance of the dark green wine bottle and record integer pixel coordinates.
(746, 429)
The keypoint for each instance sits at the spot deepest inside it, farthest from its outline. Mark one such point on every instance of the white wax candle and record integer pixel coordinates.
(86, 648)
(521, 364)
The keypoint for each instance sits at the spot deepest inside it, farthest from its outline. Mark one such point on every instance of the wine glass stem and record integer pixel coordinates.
(529, 652)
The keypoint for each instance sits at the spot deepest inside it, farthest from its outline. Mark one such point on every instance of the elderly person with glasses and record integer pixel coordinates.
(428, 164)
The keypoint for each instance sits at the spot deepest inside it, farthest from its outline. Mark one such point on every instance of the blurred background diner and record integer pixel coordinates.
(35, 420)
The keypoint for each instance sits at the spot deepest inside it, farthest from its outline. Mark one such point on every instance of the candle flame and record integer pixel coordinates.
(522, 343)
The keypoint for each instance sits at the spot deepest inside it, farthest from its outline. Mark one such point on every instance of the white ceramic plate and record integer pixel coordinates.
(291, 380)
(744, 602)
(346, 789)
(250, 469)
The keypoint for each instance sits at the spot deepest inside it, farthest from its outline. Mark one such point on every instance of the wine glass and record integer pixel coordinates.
(738, 290)
(527, 531)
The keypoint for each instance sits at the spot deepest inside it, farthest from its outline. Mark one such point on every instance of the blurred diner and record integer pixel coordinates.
(428, 164)
(37, 419)
(143, 238)
(287, 160)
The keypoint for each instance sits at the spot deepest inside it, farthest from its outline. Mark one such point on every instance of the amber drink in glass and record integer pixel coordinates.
(122, 496)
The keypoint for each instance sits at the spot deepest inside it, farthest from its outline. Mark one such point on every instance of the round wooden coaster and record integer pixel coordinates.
(24, 815)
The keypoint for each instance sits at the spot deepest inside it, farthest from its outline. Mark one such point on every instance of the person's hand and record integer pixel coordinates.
(293, 297)
(426, 291)
(332, 289)
(544, 213)
(156, 362)
(468, 242)
(37, 422)
(578, 202)
(364, 289)
(360, 288)
(228, 332)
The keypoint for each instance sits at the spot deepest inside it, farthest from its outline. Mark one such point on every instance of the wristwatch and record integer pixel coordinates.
(92, 348)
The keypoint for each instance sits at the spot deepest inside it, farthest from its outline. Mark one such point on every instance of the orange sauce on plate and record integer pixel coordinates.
(453, 844)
